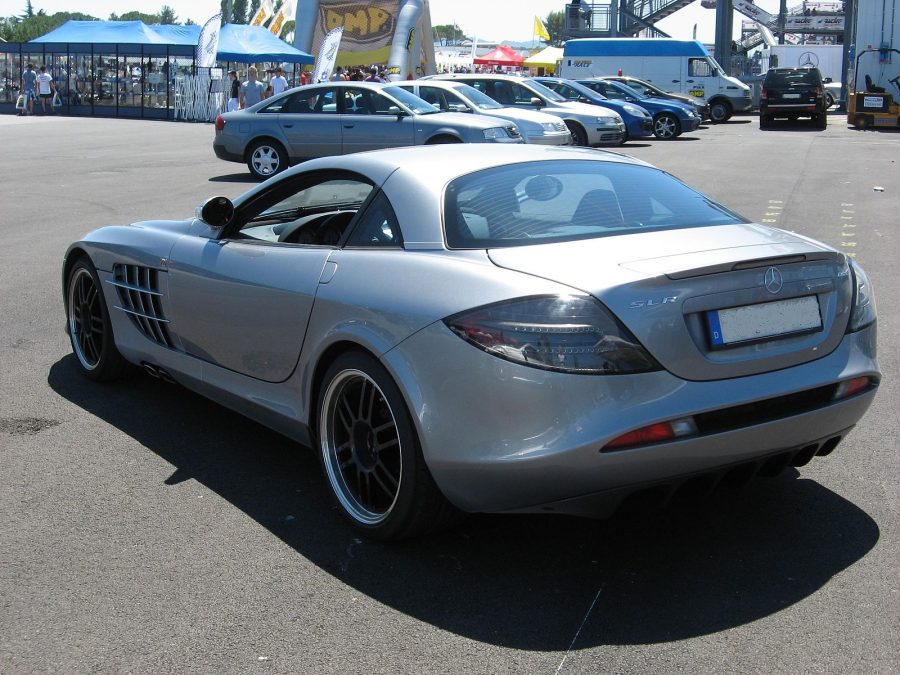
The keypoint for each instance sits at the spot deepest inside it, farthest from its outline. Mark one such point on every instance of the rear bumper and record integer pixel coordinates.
(223, 152)
(532, 439)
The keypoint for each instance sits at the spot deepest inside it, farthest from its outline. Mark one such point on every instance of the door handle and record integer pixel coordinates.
(349, 126)
(689, 81)
(288, 126)
(676, 80)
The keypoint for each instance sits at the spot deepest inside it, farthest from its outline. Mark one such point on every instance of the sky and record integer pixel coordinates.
(494, 20)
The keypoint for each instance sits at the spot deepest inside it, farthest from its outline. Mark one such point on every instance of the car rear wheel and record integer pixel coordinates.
(821, 121)
(579, 136)
(89, 327)
(764, 122)
(829, 99)
(666, 126)
(863, 121)
(371, 454)
(265, 158)
(443, 140)
(719, 111)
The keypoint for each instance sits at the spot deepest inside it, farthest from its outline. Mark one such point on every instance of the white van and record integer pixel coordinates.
(679, 66)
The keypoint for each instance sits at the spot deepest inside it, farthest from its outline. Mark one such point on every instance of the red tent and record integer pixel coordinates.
(501, 56)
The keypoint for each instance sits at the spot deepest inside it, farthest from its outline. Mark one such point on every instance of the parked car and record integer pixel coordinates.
(337, 118)
(670, 118)
(649, 89)
(793, 93)
(500, 329)
(588, 126)
(638, 122)
(448, 96)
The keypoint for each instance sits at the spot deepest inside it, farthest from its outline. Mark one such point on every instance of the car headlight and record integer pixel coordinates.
(608, 120)
(634, 110)
(494, 133)
(564, 333)
(549, 127)
(863, 312)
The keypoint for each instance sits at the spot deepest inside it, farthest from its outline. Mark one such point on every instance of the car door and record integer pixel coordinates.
(243, 301)
(369, 121)
(310, 122)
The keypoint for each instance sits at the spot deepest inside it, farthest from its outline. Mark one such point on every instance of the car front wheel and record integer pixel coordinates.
(371, 453)
(666, 126)
(579, 137)
(89, 327)
(265, 158)
(719, 111)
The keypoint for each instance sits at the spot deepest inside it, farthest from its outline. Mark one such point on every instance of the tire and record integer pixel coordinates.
(764, 122)
(829, 100)
(720, 111)
(265, 158)
(579, 136)
(821, 121)
(90, 330)
(371, 454)
(666, 126)
(863, 121)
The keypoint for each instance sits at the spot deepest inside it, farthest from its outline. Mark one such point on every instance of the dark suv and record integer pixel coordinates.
(793, 93)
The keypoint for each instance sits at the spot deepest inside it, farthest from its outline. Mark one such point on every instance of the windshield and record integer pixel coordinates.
(479, 100)
(544, 202)
(586, 91)
(546, 92)
(411, 101)
(628, 91)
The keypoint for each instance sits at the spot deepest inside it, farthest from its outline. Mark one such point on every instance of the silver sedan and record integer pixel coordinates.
(513, 329)
(337, 118)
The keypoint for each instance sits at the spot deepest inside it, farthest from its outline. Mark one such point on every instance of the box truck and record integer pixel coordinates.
(680, 66)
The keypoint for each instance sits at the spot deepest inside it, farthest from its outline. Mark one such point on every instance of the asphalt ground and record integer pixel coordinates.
(145, 529)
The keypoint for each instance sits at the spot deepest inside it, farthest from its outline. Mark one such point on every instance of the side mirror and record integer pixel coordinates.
(459, 107)
(217, 211)
(395, 110)
(536, 101)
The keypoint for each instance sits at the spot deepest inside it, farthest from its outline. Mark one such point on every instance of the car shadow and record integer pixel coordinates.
(244, 177)
(635, 144)
(526, 582)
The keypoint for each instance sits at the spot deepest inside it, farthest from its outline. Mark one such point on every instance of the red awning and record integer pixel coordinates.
(501, 56)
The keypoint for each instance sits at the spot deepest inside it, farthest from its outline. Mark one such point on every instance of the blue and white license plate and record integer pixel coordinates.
(791, 96)
(765, 320)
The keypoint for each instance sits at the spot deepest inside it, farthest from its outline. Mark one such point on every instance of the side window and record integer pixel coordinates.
(521, 95)
(358, 102)
(378, 226)
(314, 213)
(434, 96)
(568, 92)
(381, 105)
(307, 102)
(699, 68)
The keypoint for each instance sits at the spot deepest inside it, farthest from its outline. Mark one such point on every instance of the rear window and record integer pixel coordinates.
(793, 78)
(543, 202)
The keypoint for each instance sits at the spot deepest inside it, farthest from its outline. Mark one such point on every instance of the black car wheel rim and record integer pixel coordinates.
(86, 324)
(361, 447)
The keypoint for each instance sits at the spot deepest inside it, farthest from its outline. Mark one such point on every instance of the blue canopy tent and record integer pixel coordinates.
(238, 43)
(130, 69)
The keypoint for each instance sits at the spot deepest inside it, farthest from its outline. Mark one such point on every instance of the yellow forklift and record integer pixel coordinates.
(874, 107)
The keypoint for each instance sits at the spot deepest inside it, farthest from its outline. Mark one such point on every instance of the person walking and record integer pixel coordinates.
(338, 75)
(252, 90)
(235, 91)
(46, 89)
(29, 77)
(373, 75)
(279, 82)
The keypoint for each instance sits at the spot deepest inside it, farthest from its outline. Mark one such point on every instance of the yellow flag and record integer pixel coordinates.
(540, 31)
(284, 14)
(262, 14)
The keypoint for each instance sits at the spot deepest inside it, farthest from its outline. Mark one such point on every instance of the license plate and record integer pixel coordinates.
(766, 320)
(791, 96)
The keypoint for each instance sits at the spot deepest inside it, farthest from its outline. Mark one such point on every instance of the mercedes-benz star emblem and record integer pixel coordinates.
(773, 280)
(809, 60)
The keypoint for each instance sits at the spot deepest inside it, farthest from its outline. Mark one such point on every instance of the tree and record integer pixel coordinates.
(556, 27)
(189, 22)
(14, 29)
(136, 16)
(167, 15)
(29, 10)
(449, 34)
(239, 11)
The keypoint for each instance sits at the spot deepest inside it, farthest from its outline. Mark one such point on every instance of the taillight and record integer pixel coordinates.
(565, 333)
(654, 433)
(220, 123)
(763, 94)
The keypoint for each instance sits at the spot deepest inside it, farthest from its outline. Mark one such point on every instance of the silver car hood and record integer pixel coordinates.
(662, 285)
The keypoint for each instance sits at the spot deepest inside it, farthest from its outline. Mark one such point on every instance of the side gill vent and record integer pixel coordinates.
(140, 298)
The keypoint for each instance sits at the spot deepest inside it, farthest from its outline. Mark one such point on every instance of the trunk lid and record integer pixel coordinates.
(670, 287)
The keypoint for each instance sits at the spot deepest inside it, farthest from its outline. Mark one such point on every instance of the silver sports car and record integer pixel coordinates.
(519, 329)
